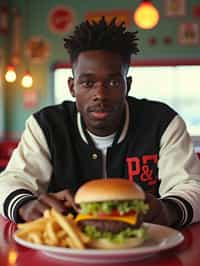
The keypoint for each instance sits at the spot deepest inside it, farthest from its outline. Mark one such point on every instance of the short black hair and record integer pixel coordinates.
(102, 35)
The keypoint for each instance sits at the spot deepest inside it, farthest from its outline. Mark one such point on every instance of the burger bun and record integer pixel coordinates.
(99, 190)
(103, 243)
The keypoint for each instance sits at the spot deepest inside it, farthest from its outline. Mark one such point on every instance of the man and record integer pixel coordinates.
(104, 134)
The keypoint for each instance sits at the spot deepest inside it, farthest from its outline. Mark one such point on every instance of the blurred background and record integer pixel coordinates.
(34, 66)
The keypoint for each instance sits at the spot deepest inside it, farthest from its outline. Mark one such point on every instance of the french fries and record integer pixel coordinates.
(53, 229)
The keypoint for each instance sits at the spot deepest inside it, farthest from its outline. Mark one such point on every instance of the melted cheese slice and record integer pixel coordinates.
(125, 218)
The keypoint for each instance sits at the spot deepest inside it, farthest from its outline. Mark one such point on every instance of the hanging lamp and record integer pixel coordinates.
(146, 15)
(10, 75)
(27, 80)
(10, 71)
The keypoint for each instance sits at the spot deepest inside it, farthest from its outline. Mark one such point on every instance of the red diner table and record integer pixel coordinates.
(12, 254)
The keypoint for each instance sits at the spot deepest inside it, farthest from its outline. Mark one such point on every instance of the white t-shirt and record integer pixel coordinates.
(102, 143)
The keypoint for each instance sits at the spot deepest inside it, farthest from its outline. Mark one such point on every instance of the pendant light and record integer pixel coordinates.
(10, 71)
(146, 16)
(10, 75)
(27, 80)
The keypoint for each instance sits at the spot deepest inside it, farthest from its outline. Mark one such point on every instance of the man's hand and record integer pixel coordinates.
(160, 212)
(61, 201)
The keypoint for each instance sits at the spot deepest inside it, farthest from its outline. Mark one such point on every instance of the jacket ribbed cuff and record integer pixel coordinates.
(184, 210)
(14, 201)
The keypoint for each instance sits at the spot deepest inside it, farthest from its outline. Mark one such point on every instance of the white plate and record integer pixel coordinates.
(160, 238)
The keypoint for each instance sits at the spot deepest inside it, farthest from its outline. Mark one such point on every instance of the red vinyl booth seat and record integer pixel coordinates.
(6, 149)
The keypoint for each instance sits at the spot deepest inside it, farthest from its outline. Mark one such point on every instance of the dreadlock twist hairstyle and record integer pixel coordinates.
(102, 36)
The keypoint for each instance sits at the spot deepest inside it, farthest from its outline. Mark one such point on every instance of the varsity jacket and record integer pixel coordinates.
(151, 147)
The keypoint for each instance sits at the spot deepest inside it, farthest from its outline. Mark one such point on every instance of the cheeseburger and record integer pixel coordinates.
(111, 213)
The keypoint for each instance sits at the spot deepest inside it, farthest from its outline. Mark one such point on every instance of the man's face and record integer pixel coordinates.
(100, 89)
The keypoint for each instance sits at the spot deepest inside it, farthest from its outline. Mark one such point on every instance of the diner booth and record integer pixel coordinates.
(35, 67)
(6, 150)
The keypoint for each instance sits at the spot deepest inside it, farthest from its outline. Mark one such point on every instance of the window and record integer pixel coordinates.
(178, 86)
(61, 91)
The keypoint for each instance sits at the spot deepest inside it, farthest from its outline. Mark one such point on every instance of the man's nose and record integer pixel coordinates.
(101, 91)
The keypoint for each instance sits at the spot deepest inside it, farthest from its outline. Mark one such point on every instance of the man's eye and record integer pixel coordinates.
(87, 83)
(114, 83)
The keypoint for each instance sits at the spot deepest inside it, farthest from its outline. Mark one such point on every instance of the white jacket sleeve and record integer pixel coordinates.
(28, 171)
(179, 170)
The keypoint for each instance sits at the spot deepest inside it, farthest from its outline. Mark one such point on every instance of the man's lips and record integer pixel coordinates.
(99, 115)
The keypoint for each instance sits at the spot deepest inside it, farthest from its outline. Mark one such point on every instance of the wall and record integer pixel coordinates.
(16, 112)
(3, 44)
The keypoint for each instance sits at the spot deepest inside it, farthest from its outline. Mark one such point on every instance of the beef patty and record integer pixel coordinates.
(109, 225)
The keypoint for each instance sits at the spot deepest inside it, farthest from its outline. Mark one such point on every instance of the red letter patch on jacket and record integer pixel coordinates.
(142, 167)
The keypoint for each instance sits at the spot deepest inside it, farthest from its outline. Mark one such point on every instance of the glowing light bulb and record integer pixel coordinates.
(27, 80)
(146, 16)
(10, 75)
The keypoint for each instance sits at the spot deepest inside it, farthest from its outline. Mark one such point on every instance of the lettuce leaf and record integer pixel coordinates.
(107, 207)
(120, 237)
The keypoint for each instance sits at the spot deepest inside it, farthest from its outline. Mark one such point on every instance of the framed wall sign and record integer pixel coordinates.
(61, 19)
(175, 7)
(37, 49)
(30, 98)
(189, 33)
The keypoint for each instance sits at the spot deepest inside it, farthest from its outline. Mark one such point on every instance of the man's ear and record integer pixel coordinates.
(128, 82)
(71, 86)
